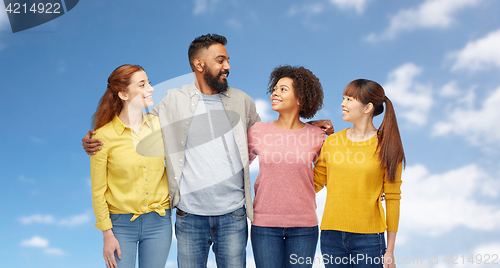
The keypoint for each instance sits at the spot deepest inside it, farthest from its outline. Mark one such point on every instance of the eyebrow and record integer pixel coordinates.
(222, 56)
(141, 81)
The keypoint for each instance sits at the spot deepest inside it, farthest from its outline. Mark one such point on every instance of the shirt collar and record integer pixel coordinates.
(193, 90)
(120, 127)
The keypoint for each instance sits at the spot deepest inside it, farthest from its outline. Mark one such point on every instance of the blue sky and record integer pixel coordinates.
(438, 60)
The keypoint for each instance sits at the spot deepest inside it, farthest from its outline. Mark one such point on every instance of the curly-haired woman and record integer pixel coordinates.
(284, 231)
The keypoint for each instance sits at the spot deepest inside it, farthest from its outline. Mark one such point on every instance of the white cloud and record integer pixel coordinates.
(4, 23)
(412, 97)
(35, 241)
(54, 251)
(202, 6)
(4, 19)
(24, 179)
(450, 90)
(75, 220)
(479, 54)
(430, 14)
(478, 126)
(358, 5)
(235, 24)
(308, 9)
(434, 204)
(264, 110)
(49, 219)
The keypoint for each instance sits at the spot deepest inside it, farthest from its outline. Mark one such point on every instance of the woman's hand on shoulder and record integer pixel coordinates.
(89, 144)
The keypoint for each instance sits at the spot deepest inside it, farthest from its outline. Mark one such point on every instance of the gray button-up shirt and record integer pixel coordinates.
(176, 111)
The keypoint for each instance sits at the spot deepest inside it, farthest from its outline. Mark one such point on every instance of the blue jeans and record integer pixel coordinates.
(150, 235)
(344, 249)
(195, 234)
(277, 247)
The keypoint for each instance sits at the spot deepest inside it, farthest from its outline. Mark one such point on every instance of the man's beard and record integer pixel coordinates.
(213, 81)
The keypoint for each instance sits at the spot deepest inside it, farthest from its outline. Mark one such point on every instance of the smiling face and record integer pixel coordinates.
(283, 98)
(216, 67)
(352, 109)
(139, 93)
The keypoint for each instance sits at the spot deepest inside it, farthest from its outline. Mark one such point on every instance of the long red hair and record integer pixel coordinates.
(390, 146)
(110, 104)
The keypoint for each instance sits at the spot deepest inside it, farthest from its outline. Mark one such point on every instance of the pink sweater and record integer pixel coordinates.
(284, 189)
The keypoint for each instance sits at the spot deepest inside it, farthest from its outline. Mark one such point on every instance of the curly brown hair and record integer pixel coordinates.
(306, 85)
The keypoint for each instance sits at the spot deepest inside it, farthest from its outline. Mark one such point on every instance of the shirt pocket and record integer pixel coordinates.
(125, 166)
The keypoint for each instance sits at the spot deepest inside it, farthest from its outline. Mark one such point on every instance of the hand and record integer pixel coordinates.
(110, 246)
(389, 261)
(89, 145)
(326, 125)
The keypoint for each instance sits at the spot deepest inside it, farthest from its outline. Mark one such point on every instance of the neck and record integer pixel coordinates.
(289, 121)
(364, 129)
(131, 117)
(202, 85)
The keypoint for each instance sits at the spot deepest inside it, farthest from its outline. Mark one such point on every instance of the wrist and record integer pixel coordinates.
(108, 233)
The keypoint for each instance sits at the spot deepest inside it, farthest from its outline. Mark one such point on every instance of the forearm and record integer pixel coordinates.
(391, 241)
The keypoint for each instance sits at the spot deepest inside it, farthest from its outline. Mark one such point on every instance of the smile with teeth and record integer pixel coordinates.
(275, 101)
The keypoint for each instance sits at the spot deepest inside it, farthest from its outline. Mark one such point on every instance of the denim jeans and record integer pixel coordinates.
(277, 247)
(150, 235)
(344, 249)
(195, 234)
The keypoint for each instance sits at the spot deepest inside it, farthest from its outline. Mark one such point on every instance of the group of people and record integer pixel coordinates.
(193, 150)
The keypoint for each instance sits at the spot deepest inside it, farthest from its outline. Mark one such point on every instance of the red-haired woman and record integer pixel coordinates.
(129, 186)
(358, 165)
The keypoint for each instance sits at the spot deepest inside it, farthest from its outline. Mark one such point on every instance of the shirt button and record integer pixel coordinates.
(142, 154)
(187, 123)
(144, 166)
(146, 192)
(146, 179)
(180, 160)
(144, 205)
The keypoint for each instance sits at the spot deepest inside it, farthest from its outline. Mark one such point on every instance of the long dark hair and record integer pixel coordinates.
(110, 104)
(389, 146)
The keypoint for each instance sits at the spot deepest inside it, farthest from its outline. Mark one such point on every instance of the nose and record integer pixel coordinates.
(227, 66)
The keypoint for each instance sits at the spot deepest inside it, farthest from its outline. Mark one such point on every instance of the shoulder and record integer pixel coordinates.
(314, 130)
(338, 134)
(260, 126)
(238, 94)
(105, 131)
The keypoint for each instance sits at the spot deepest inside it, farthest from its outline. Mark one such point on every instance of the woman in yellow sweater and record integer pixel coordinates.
(358, 166)
(129, 183)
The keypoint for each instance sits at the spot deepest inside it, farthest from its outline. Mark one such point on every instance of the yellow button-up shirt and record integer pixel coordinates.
(128, 174)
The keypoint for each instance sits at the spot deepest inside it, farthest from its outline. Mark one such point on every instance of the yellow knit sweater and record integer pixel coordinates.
(351, 171)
